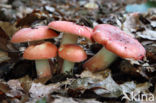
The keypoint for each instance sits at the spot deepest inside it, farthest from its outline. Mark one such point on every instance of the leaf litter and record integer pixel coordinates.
(19, 83)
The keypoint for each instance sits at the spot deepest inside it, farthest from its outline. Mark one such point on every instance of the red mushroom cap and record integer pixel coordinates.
(72, 28)
(29, 34)
(118, 42)
(45, 50)
(72, 52)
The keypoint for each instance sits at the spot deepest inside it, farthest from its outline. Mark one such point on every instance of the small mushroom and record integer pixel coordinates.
(35, 34)
(115, 42)
(40, 53)
(72, 53)
(71, 32)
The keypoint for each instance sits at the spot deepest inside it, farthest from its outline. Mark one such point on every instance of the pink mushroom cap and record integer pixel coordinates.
(118, 42)
(32, 34)
(45, 50)
(72, 28)
(72, 52)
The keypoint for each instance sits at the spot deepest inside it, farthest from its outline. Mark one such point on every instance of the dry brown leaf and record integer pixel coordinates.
(9, 28)
(31, 18)
(4, 87)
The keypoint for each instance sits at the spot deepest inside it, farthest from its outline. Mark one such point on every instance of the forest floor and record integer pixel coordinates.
(18, 78)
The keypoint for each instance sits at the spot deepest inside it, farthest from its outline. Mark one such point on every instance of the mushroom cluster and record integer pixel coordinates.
(38, 50)
(115, 42)
(68, 52)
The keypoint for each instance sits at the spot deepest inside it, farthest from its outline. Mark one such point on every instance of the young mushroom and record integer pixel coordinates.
(115, 42)
(72, 53)
(71, 32)
(33, 35)
(40, 53)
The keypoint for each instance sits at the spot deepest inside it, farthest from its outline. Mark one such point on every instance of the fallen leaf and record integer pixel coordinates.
(8, 28)
(3, 34)
(148, 34)
(4, 87)
(31, 18)
(38, 90)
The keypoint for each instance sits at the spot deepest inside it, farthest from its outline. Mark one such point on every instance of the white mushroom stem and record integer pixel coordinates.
(43, 68)
(68, 66)
(69, 39)
(100, 61)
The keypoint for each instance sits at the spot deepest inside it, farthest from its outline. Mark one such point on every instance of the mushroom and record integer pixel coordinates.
(115, 42)
(72, 53)
(35, 34)
(40, 53)
(71, 32)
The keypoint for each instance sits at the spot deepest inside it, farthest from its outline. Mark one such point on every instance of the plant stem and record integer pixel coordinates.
(43, 68)
(67, 67)
(100, 61)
